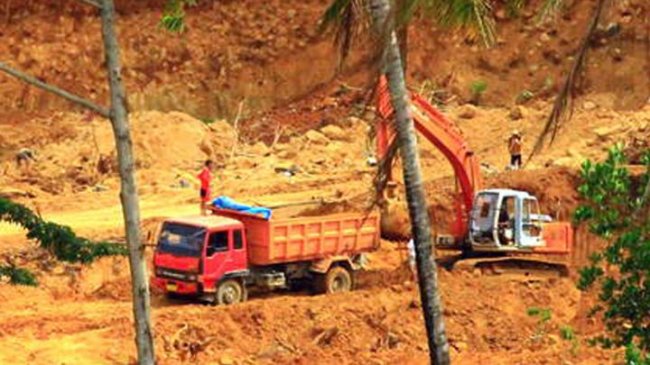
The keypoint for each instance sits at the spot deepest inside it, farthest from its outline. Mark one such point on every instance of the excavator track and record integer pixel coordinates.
(514, 266)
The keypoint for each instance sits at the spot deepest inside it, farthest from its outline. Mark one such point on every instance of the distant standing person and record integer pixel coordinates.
(24, 157)
(206, 179)
(514, 147)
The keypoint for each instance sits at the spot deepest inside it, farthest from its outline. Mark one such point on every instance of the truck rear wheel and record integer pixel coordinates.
(338, 279)
(230, 292)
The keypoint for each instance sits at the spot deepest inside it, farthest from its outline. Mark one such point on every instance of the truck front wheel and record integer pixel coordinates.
(338, 279)
(230, 292)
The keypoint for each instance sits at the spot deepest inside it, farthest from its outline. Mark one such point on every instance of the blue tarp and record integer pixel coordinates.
(225, 202)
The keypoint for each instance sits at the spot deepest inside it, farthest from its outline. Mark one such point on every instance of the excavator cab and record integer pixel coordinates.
(505, 220)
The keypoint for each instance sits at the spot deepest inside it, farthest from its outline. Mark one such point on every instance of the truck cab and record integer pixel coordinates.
(506, 220)
(202, 256)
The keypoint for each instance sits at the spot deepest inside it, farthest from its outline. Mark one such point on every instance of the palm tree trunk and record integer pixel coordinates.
(128, 194)
(421, 226)
(403, 37)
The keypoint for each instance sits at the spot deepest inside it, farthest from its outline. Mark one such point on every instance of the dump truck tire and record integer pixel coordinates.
(338, 279)
(230, 292)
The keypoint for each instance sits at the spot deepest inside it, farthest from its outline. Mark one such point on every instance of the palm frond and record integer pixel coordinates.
(473, 14)
(564, 101)
(549, 8)
(405, 10)
(514, 6)
(347, 19)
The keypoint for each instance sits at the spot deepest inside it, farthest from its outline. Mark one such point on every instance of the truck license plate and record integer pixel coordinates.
(171, 287)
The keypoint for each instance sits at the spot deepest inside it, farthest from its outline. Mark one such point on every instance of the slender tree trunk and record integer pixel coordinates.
(128, 194)
(421, 226)
(403, 38)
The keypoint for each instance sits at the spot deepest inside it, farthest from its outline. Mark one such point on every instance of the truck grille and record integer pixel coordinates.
(175, 274)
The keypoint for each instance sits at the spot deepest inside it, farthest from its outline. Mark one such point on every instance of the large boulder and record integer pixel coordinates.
(316, 137)
(336, 133)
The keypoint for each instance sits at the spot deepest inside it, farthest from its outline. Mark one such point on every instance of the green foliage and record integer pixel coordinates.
(550, 8)
(173, 18)
(544, 314)
(514, 7)
(475, 15)
(18, 276)
(634, 356)
(59, 240)
(616, 208)
(543, 318)
(525, 96)
(567, 333)
(478, 88)
(207, 120)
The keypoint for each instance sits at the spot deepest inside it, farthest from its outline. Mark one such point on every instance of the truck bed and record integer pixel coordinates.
(285, 240)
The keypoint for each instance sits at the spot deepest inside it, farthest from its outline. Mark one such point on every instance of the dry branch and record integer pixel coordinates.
(54, 90)
(564, 100)
(236, 129)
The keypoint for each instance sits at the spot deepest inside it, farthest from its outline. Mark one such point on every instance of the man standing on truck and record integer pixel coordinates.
(514, 147)
(206, 178)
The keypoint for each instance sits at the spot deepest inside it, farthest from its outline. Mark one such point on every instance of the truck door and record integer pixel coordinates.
(223, 255)
(529, 229)
(239, 255)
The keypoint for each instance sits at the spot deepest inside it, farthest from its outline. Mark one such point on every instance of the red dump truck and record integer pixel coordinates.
(219, 256)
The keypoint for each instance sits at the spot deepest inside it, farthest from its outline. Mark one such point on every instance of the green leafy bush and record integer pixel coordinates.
(617, 208)
(544, 314)
(477, 89)
(173, 18)
(60, 240)
(18, 276)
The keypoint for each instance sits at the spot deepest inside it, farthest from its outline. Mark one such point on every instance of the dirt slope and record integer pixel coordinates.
(270, 53)
(486, 318)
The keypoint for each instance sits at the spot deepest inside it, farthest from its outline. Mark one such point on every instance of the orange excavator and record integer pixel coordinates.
(492, 227)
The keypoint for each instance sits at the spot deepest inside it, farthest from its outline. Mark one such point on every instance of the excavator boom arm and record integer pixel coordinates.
(447, 138)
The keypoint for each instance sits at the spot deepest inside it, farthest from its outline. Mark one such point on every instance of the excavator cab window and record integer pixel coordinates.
(506, 218)
(484, 215)
(531, 227)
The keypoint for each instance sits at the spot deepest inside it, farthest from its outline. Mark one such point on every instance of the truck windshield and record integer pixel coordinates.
(181, 239)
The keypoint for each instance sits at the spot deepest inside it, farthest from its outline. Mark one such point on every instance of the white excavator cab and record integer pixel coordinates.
(505, 220)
